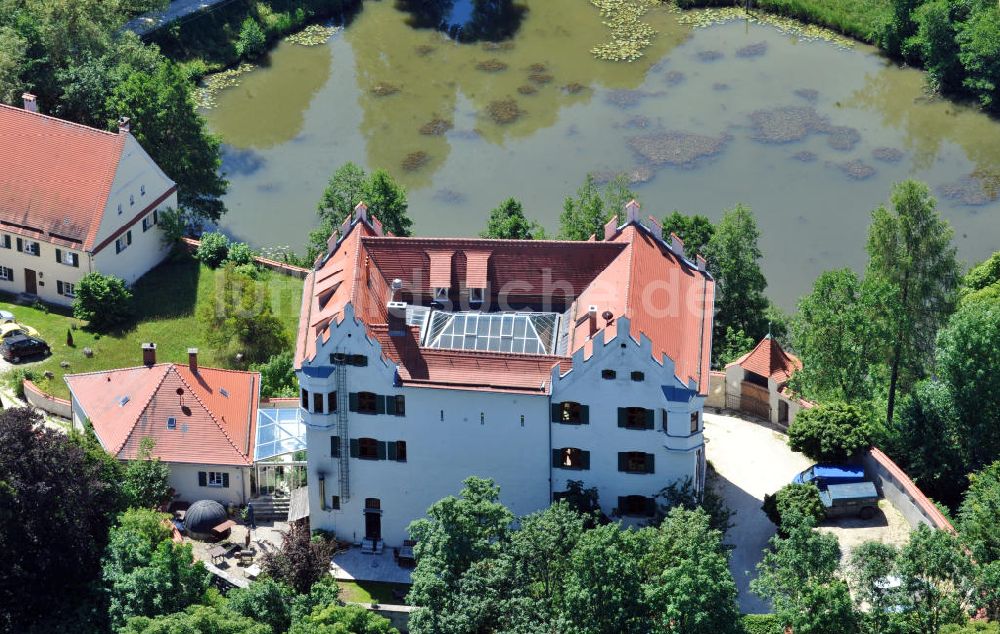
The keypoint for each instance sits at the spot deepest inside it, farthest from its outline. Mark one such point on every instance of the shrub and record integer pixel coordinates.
(14, 380)
(240, 253)
(762, 624)
(213, 250)
(300, 562)
(104, 301)
(277, 376)
(173, 224)
(834, 432)
(793, 505)
(252, 41)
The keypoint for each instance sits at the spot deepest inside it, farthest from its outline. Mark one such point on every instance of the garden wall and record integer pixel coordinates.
(716, 390)
(46, 402)
(897, 487)
(285, 269)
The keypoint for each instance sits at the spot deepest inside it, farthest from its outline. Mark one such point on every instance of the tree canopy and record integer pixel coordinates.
(831, 432)
(508, 222)
(585, 215)
(695, 231)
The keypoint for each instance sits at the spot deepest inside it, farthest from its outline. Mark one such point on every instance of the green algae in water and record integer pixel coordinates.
(710, 56)
(212, 85)
(981, 187)
(384, 89)
(527, 89)
(842, 137)
(785, 124)
(857, 169)
(423, 50)
(313, 35)
(887, 154)
(630, 36)
(540, 78)
(752, 50)
(574, 88)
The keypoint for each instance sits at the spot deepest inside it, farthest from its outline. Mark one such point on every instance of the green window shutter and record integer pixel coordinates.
(331, 402)
(379, 404)
(622, 416)
(128, 237)
(225, 480)
(650, 418)
(202, 479)
(353, 402)
(380, 449)
(390, 405)
(557, 412)
(59, 287)
(650, 463)
(621, 505)
(584, 414)
(58, 256)
(335, 503)
(650, 507)
(20, 244)
(400, 404)
(390, 450)
(584, 459)
(156, 217)
(355, 451)
(557, 458)
(622, 461)
(334, 446)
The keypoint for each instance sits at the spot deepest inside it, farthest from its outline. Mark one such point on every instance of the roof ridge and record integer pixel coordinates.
(66, 121)
(109, 179)
(211, 414)
(143, 409)
(491, 241)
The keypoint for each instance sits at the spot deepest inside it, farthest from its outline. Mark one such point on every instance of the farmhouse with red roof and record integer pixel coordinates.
(423, 361)
(74, 200)
(203, 421)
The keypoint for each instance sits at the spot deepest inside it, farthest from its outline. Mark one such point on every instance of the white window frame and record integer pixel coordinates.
(69, 289)
(74, 259)
(123, 242)
(214, 479)
(32, 248)
(6, 273)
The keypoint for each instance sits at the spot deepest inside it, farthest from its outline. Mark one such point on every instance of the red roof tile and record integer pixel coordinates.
(55, 176)
(215, 411)
(633, 275)
(770, 360)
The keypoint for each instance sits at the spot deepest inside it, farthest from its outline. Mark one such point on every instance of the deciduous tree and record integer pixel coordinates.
(937, 577)
(198, 619)
(910, 247)
(695, 230)
(979, 514)
(831, 432)
(300, 562)
(265, 601)
(507, 222)
(734, 260)
(146, 480)
(103, 301)
(586, 214)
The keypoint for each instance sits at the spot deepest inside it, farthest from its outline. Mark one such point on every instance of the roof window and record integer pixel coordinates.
(171, 423)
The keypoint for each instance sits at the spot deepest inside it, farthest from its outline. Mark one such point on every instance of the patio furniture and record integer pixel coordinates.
(246, 558)
(253, 572)
(217, 552)
(221, 529)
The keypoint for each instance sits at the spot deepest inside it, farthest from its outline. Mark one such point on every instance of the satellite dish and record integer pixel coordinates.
(180, 391)
(607, 315)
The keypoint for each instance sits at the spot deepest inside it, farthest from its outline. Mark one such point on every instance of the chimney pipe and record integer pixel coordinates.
(30, 102)
(193, 360)
(124, 125)
(149, 354)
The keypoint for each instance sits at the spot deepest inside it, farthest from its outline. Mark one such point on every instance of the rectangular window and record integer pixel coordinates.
(368, 448)
(6, 274)
(147, 223)
(121, 244)
(635, 462)
(395, 405)
(637, 506)
(218, 479)
(694, 422)
(317, 402)
(331, 402)
(28, 246)
(305, 398)
(335, 503)
(334, 446)
(570, 458)
(366, 403)
(608, 375)
(401, 450)
(65, 289)
(5, 242)
(570, 413)
(68, 258)
(635, 417)
(638, 376)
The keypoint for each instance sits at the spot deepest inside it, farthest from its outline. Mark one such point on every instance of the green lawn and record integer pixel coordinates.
(367, 591)
(167, 302)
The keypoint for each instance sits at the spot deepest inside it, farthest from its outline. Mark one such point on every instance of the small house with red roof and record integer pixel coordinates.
(73, 200)
(423, 361)
(756, 383)
(202, 420)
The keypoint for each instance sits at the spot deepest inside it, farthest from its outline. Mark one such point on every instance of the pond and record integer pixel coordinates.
(809, 134)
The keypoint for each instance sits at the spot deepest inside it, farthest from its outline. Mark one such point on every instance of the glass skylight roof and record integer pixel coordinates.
(280, 431)
(521, 333)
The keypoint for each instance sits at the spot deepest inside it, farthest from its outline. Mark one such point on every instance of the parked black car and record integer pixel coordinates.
(18, 347)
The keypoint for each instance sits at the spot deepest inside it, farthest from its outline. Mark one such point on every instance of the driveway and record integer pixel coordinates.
(750, 460)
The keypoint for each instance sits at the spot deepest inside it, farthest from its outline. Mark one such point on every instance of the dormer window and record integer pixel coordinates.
(441, 293)
(476, 295)
(171, 423)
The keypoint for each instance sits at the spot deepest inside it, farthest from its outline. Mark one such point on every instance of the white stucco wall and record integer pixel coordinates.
(452, 434)
(184, 480)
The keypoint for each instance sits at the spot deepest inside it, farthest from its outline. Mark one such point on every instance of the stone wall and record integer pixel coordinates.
(716, 390)
(285, 269)
(46, 402)
(897, 487)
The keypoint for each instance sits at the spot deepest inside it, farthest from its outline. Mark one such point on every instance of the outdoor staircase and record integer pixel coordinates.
(268, 507)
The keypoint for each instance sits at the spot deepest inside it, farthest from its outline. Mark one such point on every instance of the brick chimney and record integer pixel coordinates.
(30, 102)
(193, 360)
(124, 125)
(149, 354)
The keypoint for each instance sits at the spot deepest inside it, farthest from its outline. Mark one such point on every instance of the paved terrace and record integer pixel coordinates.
(352, 565)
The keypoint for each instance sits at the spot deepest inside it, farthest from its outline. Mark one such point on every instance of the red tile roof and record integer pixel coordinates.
(633, 274)
(770, 360)
(55, 176)
(215, 410)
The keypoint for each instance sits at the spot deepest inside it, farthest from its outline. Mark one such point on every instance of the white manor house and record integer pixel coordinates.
(423, 361)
